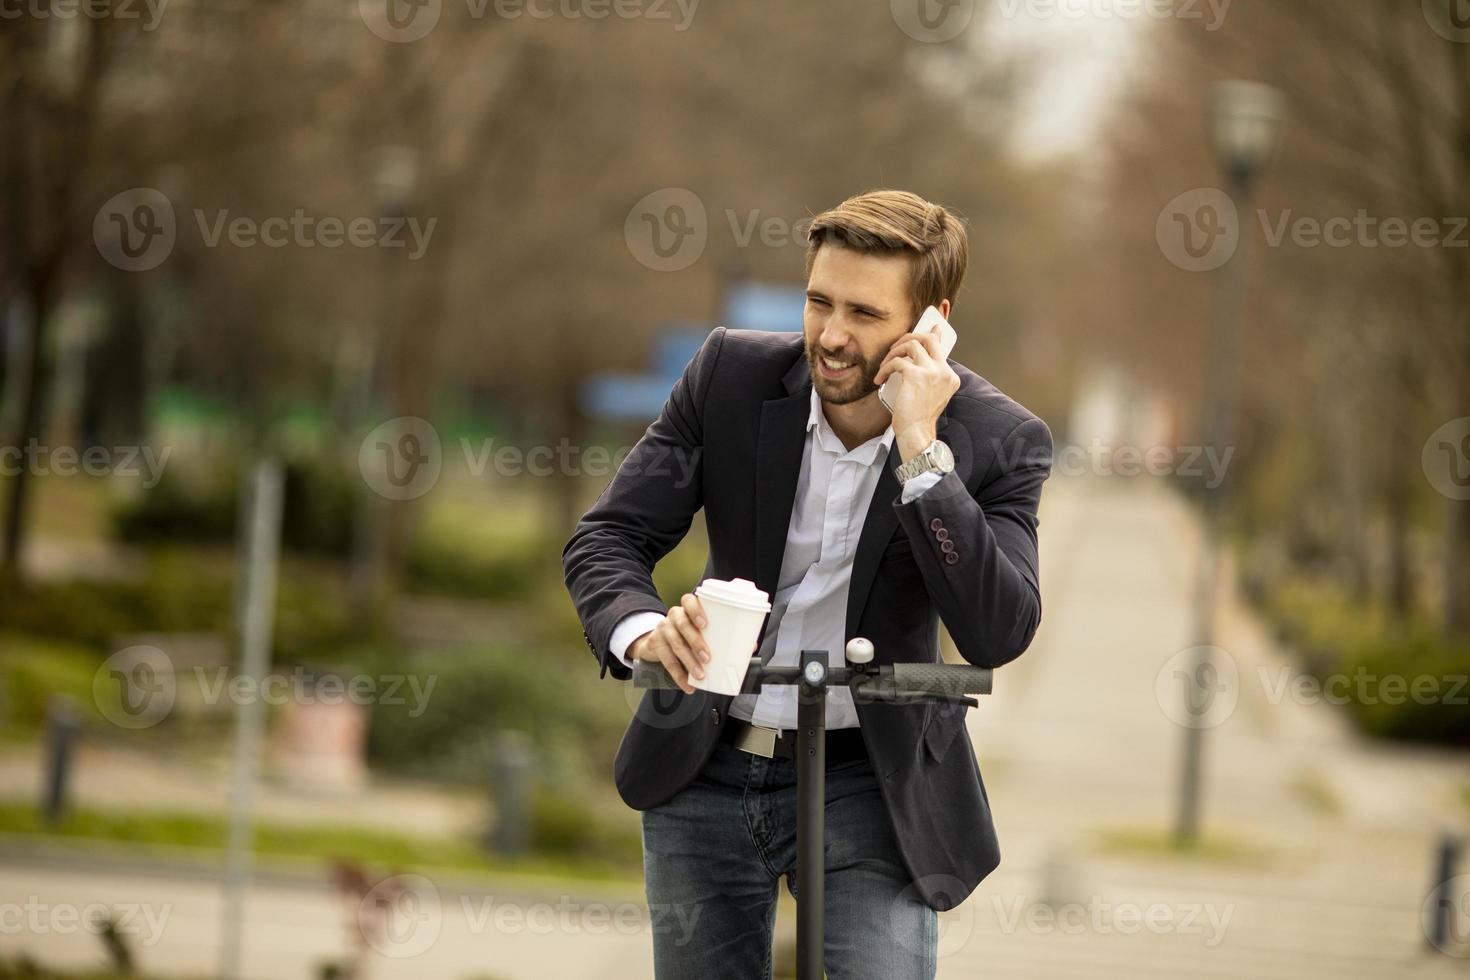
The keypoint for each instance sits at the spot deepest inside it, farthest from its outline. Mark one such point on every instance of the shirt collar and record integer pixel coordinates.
(827, 439)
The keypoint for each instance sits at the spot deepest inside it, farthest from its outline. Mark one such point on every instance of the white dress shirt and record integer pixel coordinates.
(809, 609)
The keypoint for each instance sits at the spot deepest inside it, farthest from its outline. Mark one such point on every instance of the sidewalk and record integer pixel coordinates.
(1077, 741)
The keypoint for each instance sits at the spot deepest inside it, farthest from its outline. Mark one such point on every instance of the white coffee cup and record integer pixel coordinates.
(735, 611)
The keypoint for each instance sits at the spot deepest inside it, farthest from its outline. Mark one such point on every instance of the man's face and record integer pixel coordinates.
(857, 305)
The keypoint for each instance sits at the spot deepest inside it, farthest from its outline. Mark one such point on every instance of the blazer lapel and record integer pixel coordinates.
(878, 529)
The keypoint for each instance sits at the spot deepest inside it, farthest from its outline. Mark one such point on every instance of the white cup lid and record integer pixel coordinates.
(739, 592)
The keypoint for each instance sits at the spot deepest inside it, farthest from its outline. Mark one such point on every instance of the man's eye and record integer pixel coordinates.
(866, 313)
(817, 302)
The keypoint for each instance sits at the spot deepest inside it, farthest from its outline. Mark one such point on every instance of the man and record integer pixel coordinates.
(857, 522)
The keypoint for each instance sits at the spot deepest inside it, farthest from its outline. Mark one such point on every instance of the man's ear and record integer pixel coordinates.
(944, 308)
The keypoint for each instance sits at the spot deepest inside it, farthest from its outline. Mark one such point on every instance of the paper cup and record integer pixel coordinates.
(735, 610)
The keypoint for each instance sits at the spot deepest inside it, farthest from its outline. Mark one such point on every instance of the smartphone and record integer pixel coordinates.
(931, 320)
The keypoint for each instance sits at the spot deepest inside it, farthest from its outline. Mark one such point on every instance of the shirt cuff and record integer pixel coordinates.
(630, 629)
(915, 486)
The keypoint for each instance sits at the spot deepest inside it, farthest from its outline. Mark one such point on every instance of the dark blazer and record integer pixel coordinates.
(730, 440)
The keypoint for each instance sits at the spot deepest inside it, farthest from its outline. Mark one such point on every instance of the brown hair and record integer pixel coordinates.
(893, 222)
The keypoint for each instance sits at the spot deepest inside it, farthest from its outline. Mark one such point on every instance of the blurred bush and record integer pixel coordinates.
(317, 515)
(479, 692)
(32, 671)
(1374, 661)
(180, 591)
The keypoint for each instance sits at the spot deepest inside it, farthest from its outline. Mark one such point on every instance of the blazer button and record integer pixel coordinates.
(714, 716)
(951, 558)
(942, 534)
(947, 547)
(936, 524)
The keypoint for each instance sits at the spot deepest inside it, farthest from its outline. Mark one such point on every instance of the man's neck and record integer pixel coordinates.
(859, 421)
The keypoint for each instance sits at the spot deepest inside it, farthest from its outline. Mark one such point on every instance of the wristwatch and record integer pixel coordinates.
(936, 458)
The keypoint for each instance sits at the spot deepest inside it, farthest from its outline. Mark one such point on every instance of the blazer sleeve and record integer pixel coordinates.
(643, 513)
(978, 553)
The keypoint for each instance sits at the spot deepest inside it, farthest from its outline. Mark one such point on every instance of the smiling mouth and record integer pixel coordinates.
(835, 369)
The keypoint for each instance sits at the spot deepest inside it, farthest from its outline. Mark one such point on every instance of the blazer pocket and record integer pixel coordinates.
(941, 731)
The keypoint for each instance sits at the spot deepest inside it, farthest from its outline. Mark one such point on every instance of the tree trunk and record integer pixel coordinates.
(29, 426)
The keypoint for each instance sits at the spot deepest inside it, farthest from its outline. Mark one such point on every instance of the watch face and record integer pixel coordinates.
(942, 457)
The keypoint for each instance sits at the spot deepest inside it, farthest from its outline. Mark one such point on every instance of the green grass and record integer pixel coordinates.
(1317, 793)
(1213, 848)
(32, 670)
(159, 829)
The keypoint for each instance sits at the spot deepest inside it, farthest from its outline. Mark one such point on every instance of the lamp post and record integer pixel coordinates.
(1245, 128)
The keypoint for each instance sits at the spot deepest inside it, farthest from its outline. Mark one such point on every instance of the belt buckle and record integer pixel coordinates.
(757, 740)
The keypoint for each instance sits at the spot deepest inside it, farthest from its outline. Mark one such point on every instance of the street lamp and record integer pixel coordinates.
(1245, 127)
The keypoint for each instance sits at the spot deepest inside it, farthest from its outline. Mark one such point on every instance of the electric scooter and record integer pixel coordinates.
(904, 683)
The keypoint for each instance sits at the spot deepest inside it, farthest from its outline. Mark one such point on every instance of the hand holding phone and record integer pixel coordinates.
(931, 320)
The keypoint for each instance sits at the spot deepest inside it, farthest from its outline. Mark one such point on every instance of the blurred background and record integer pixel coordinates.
(324, 320)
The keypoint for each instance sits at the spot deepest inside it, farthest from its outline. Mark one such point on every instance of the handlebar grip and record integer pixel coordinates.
(941, 679)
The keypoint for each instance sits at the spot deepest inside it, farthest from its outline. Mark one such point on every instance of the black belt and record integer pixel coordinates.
(843, 744)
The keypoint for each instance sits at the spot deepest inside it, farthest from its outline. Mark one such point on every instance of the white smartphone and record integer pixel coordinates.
(931, 320)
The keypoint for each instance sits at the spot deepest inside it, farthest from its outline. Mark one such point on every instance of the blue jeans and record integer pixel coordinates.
(713, 856)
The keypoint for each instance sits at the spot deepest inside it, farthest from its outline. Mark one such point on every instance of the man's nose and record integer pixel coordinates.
(833, 336)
